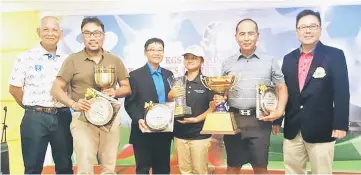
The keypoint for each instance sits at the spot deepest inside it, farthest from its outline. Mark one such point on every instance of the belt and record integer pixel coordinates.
(243, 112)
(49, 110)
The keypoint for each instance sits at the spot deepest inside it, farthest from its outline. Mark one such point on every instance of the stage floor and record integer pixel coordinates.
(174, 170)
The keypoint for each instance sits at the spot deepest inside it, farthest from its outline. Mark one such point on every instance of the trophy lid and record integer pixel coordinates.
(104, 69)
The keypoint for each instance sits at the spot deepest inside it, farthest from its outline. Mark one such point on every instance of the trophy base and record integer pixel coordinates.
(180, 111)
(220, 123)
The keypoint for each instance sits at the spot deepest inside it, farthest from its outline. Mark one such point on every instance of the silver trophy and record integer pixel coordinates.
(181, 107)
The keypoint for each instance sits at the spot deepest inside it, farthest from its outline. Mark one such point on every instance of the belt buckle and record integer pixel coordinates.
(53, 110)
(48, 110)
(246, 112)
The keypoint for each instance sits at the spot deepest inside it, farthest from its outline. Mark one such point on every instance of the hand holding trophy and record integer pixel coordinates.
(267, 102)
(220, 121)
(179, 84)
(158, 117)
(103, 108)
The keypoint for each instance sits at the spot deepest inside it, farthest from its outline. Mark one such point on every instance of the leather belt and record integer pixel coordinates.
(243, 112)
(49, 110)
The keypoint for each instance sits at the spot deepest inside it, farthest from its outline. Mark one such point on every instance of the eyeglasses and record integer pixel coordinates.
(310, 27)
(154, 50)
(96, 34)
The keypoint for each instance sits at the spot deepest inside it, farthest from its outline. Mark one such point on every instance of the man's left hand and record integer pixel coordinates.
(338, 134)
(274, 115)
(110, 92)
(276, 129)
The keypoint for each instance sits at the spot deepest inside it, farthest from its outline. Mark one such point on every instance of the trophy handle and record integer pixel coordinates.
(236, 78)
(205, 82)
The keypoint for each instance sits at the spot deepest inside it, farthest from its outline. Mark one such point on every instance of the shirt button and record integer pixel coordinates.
(190, 87)
(189, 92)
(301, 107)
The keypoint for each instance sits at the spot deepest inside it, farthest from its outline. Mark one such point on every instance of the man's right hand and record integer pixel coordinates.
(142, 125)
(81, 105)
(219, 99)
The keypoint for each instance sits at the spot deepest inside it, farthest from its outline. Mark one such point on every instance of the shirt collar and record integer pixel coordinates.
(152, 71)
(312, 51)
(44, 52)
(197, 79)
(86, 55)
(255, 54)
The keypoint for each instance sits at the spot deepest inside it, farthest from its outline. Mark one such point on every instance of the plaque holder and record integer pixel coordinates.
(266, 100)
(93, 94)
(170, 123)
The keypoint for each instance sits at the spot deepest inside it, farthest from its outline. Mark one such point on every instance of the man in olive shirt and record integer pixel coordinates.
(78, 71)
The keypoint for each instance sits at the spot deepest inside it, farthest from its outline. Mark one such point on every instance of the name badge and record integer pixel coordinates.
(199, 91)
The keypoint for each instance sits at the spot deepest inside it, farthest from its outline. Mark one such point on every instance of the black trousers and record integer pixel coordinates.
(37, 129)
(153, 152)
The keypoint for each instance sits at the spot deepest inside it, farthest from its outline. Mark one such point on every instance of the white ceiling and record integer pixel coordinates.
(84, 7)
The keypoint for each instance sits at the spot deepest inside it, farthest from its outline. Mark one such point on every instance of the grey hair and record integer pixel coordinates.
(46, 18)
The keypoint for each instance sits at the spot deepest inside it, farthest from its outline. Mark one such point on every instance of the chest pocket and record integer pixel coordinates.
(35, 74)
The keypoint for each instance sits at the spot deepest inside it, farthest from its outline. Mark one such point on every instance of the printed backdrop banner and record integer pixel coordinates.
(125, 36)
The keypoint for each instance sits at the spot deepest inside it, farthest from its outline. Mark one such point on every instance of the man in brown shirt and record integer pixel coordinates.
(78, 72)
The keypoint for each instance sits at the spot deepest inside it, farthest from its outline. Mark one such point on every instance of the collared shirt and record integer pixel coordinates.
(198, 98)
(258, 68)
(35, 71)
(158, 82)
(78, 71)
(304, 64)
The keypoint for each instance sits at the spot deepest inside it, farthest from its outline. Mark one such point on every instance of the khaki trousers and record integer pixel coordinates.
(192, 155)
(296, 152)
(89, 142)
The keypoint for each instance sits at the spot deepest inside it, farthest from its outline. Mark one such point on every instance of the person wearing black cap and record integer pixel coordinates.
(191, 146)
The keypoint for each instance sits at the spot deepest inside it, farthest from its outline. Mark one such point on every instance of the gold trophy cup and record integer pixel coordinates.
(220, 121)
(104, 76)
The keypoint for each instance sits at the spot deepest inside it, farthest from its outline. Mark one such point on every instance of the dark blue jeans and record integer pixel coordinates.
(37, 129)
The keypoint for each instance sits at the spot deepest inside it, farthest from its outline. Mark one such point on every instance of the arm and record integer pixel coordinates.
(341, 92)
(278, 122)
(277, 77)
(131, 103)
(124, 88)
(65, 75)
(58, 92)
(282, 101)
(123, 80)
(175, 92)
(17, 93)
(17, 80)
(201, 117)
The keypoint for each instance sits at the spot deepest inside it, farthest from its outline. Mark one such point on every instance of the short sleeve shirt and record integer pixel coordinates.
(78, 71)
(259, 68)
(35, 71)
(198, 98)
